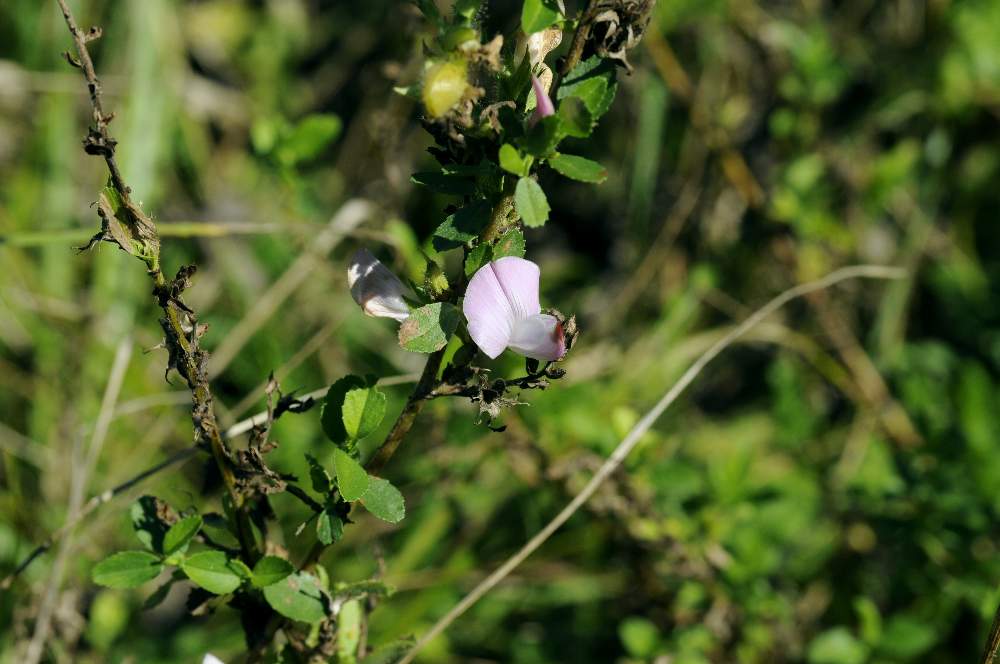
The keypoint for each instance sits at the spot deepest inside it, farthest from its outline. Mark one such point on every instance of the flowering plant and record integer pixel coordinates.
(500, 109)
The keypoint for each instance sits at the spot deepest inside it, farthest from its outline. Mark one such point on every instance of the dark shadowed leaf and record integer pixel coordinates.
(329, 527)
(574, 118)
(149, 519)
(593, 82)
(444, 183)
(463, 226)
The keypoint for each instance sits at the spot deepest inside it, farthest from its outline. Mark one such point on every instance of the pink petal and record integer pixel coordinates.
(543, 105)
(540, 337)
(376, 288)
(500, 294)
(519, 280)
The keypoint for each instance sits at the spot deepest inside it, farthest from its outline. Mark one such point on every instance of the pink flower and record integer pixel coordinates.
(501, 305)
(543, 105)
(376, 288)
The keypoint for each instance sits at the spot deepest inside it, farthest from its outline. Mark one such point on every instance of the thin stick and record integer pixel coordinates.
(635, 435)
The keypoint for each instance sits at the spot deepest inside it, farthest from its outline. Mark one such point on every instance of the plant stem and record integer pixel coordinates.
(425, 386)
(179, 323)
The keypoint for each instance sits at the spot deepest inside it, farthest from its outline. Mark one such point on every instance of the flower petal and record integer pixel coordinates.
(211, 659)
(488, 311)
(543, 105)
(519, 280)
(540, 337)
(375, 287)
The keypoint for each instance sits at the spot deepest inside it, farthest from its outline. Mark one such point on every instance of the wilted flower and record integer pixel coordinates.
(543, 105)
(375, 287)
(501, 306)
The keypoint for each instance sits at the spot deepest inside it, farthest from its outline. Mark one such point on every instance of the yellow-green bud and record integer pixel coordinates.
(444, 86)
(457, 36)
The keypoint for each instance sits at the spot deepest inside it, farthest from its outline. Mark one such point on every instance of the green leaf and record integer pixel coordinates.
(837, 646)
(333, 408)
(640, 637)
(348, 630)
(180, 534)
(269, 570)
(429, 9)
(542, 139)
(213, 571)
(536, 15)
(363, 410)
(428, 328)
(575, 118)
(309, 139)
(384, 500)
(352, 480)
(906, 638)
(329, 527)
(593, 82)
(444, 183)
(578, 168)
(462, 227)
(297, 596)
(477, 257)
(318, 476)
(149, 516)
(512, 161)
(218, 528)
(510, 243)
(127, 569)
(531, 203)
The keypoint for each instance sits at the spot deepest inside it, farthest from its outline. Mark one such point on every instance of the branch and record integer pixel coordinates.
(420, 394)
(179, 323)
(635, 435)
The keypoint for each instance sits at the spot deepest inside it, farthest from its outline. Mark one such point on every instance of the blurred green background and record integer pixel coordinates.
(827, 492)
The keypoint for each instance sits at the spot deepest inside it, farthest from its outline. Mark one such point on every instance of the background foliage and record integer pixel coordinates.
(826, 494)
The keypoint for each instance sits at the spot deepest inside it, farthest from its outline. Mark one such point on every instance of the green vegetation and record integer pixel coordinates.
(827, 492)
